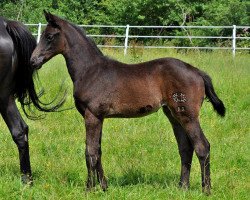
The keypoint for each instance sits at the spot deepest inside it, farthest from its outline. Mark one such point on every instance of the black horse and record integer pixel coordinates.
(16, 81)
(106, 88)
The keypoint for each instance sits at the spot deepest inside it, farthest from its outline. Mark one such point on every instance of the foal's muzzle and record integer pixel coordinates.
(36, 62)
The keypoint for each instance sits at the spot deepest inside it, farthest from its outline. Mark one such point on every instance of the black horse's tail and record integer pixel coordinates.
(25, 91)
(212, 96)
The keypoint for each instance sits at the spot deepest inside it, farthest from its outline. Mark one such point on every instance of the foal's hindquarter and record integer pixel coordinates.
(8, 108)
(120, 90)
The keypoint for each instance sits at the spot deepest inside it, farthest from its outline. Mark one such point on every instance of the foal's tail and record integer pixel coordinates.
(212, 96)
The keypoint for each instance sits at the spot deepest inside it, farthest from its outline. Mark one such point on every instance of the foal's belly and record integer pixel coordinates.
(134, 106)
(128, 99)
(132, 111)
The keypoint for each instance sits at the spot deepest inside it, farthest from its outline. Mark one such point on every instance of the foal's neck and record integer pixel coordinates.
(81, 53)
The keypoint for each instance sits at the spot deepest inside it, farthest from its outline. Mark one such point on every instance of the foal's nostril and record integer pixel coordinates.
(33, 61)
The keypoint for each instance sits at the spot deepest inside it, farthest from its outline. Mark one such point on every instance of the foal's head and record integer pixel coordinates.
(52, 41)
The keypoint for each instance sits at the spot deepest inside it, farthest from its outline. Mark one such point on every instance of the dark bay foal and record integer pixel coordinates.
(106, 88)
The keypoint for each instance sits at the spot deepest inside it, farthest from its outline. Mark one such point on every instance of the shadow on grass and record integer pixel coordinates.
(135, 177)
(129, 177)
(73, 178)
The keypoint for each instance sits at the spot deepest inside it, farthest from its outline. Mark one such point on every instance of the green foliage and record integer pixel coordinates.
(140, 12)
(136, 12)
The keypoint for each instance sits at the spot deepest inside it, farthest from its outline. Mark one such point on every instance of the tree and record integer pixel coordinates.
(136, 12)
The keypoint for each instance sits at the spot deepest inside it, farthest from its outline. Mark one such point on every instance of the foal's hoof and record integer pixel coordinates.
(104, 185)
(27, 179)
(183, 185)
(90, 186)
(206, 190)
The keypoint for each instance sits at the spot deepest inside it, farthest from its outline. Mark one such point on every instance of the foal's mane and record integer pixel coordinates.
(82, 32)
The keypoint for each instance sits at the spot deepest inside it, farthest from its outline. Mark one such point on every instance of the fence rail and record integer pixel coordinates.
(127, 29)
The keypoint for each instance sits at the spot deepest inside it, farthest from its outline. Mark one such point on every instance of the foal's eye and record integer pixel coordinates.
(50, 38)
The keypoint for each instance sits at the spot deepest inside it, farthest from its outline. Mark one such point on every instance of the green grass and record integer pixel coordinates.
(140, 156)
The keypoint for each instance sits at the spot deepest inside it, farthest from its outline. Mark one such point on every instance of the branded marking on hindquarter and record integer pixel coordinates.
(179, 97)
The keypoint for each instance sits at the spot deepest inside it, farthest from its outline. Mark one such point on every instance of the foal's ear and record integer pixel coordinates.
(51, 19)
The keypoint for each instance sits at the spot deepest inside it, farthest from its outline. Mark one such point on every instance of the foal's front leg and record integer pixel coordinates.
(93, 152)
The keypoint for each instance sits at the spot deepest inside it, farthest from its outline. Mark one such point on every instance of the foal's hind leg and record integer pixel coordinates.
(19, 132)
(202, 150)
(93, 150)
(189, 121)
(185, 148)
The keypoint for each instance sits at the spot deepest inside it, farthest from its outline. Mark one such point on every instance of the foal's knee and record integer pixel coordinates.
(20, 136)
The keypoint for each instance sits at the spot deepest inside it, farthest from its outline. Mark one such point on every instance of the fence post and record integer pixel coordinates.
(234, 40)
(39, 32)
(126, 40)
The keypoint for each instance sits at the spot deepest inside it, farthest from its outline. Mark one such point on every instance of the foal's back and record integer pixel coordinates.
(163, 72)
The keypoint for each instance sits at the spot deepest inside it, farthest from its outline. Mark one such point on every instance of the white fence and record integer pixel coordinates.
(126, 36)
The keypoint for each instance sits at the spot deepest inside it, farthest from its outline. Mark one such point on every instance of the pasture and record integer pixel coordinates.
(140, 156)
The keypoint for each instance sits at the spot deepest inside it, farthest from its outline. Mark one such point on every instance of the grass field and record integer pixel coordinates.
(140, 156)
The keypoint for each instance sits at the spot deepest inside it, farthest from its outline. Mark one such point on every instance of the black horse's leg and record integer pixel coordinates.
(185, 149)
(93, 150)
(19, 132)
